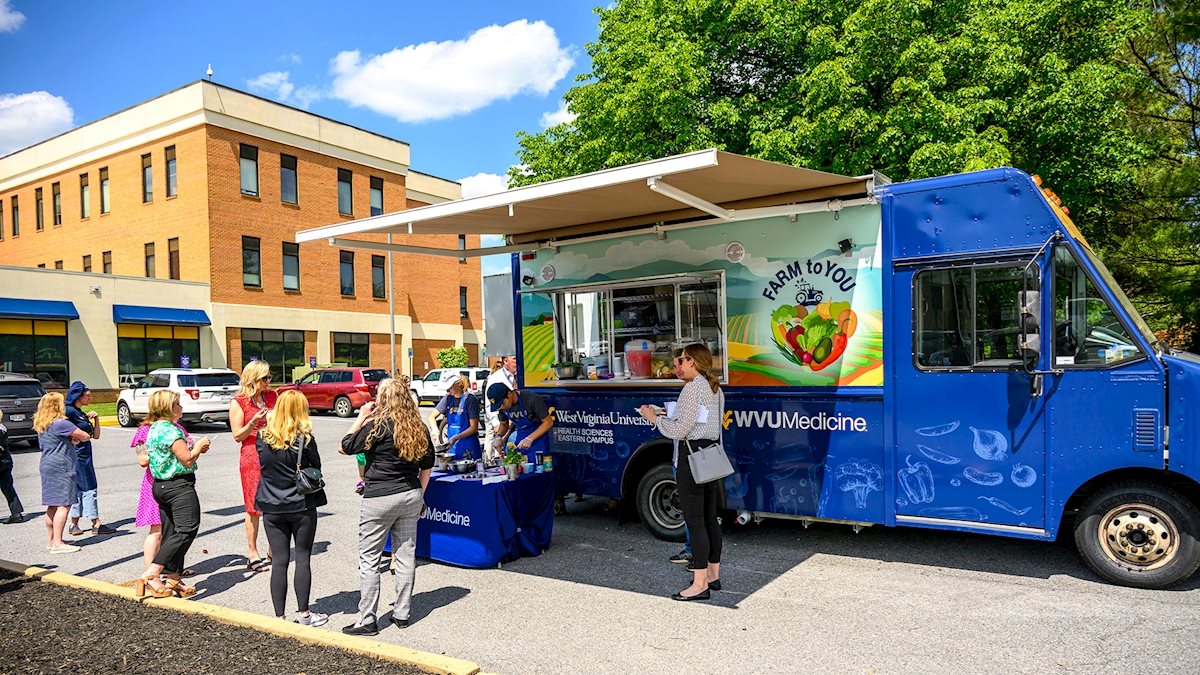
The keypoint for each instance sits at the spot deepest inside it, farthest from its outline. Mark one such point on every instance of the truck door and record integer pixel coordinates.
(969, 431)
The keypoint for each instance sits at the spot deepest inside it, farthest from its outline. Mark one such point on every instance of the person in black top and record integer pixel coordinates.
(16, 511)
(284, 445)
(399, 455)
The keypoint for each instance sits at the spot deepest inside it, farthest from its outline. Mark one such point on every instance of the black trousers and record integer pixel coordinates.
(282, 530)
(179, 508)
(700, 504)
(6, 484)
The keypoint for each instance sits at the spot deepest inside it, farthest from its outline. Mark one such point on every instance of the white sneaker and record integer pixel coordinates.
(313, 619)
(65, 548)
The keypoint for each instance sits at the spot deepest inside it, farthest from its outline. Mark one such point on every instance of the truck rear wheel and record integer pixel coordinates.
(1139, 534)
(658, 503)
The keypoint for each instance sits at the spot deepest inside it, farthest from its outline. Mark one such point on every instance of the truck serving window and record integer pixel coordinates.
(1087, 331)
(967, 317)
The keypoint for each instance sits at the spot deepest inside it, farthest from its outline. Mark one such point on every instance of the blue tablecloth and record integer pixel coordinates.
(472, 524)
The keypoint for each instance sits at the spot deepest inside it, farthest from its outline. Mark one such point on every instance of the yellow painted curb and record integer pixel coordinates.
(430, 663)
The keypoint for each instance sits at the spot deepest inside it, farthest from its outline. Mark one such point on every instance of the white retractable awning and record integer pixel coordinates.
(709, 183)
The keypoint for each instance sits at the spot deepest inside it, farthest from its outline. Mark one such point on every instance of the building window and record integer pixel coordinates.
(287, 179)
(462, 302)
(37, 210)
(147, 180)
(143, 348)
(173, 258)
(105, 203)
(37, 349)
(969, 317)
(376, 196)
(87, 263)
(56, 203)
(58, 264)
(345, 194)
(462, 246)
(346, 272)
(85, 197)
(172, 176)
(16, 215)
(41, 266)
(150, 260)
(106, 257)
(352, 349)
(1, 220)
(291, 266)
(378, 278)
(249, 169)
(251, 262)
(282, 349)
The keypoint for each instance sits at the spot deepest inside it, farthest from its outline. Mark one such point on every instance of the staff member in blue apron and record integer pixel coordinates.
(461, 411)
(526, 413)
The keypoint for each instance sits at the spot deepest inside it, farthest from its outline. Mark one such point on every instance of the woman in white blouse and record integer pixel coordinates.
(695, 425)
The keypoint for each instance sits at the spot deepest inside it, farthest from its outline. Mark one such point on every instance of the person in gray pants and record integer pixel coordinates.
(399, 456)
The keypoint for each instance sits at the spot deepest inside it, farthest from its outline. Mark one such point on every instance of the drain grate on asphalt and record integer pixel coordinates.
(46, 628)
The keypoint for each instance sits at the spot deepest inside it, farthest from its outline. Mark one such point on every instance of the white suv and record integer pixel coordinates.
(204, 394)
(436, 383)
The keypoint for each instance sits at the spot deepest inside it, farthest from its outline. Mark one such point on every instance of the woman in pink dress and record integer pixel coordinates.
(147, 509)
(247, 414)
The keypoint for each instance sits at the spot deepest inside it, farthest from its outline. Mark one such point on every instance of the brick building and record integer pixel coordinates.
(208, 184)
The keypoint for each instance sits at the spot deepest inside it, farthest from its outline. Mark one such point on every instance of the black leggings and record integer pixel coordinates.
(179, 509)
(282, 530)
(700, 504)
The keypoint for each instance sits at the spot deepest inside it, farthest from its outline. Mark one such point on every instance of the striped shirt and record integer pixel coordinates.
(684, 424)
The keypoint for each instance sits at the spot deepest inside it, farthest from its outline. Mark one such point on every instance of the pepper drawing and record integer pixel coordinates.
(939, 457)
(938, 430)
(917, 481)
(1003, 505)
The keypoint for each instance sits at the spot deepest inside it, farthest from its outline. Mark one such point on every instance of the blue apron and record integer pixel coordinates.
(85, 471)
(525, 426)
(457, 422)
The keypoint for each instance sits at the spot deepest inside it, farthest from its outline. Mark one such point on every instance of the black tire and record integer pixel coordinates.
(658, 503)
(1139, 534)
(342, 407)
(124, 416)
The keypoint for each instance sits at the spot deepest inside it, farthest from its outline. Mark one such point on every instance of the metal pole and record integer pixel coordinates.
(391, 310)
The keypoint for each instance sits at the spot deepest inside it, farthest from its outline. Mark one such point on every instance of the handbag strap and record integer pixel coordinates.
(299, 452)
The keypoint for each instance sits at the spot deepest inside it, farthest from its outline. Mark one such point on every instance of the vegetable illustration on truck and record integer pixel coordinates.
(923, 354)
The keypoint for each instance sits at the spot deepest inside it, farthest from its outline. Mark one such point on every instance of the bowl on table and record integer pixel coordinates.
(566, 372)
(461, 465)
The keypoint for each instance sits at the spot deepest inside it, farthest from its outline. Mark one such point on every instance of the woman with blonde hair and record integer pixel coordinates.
(461, 411)
(285, 446)
(57, 439)
(399, 456)
(147, 514)
(172, 464)
(247, 414)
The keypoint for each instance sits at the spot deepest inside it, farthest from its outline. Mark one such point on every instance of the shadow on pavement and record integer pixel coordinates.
(342, 602)
(425, 603)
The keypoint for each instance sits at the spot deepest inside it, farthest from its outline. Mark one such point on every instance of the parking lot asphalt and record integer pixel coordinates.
(821, 599)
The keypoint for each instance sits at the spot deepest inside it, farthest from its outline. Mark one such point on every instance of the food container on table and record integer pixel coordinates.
(566, 372)
(637, 358)
(527, 467)
(511, 471)
(462, 466)
(662, 363)
(619, 370)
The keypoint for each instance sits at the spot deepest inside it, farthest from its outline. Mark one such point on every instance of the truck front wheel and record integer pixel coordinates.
(1139, 534)
(658, 503)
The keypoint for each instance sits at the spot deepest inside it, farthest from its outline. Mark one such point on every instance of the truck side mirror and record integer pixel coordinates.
(1031, 316)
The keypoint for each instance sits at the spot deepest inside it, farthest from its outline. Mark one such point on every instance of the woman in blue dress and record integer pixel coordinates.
(57, 439)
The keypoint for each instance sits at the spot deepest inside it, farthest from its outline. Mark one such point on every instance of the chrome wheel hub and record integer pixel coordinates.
(1139, 536)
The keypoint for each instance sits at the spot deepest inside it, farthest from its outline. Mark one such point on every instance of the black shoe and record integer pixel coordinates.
(399, 623)
(702, 595)
(684, 556)
(15, 519)
(365, 629)
(714, 585)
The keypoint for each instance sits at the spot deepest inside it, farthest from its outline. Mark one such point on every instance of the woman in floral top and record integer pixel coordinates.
(172, 463)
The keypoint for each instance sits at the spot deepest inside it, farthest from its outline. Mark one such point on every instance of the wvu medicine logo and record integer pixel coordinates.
(727, 419)
(781, 419)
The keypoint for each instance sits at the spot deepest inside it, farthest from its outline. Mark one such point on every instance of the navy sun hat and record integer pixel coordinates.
(496, 395)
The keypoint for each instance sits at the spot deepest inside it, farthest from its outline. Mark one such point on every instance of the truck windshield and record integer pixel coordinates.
(1106, 277)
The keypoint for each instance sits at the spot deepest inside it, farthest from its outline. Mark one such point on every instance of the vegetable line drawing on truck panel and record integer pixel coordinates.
(939, 457)
(917, 481)
(938, 430)
(1023, 475)
(990, 444)
(1005, 506)
(952, 513)
(985, 478)
(860, 477)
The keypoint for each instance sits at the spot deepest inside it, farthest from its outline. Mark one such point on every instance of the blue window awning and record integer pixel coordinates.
(20, 308)
(160, 315)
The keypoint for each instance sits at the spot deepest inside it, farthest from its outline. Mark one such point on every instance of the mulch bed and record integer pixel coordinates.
(46, 628)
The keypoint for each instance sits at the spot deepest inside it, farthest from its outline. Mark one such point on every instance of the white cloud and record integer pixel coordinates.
(278, 85)
(436, 80)
(291, 57)
(483, 184)
(26, 119)
(560, 116)
(10, 19)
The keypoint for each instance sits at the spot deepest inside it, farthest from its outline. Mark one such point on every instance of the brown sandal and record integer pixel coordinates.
(150, 587)
(179, 588)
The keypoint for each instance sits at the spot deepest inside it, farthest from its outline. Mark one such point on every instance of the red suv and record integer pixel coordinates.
(342, 390)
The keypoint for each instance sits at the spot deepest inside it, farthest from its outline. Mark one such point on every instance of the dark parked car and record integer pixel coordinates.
(19, 396)
(342, 390)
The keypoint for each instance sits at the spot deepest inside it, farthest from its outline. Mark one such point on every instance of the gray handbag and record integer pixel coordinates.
(708, 463)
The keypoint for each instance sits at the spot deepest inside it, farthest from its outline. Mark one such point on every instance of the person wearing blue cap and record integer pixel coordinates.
(86, 504)
(523, 414)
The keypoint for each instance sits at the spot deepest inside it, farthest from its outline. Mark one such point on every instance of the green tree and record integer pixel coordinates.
(452, 357)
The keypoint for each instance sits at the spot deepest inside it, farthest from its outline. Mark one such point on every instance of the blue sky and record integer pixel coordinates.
(456, 80)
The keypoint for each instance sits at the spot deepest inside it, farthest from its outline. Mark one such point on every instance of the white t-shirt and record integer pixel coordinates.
(507, 379)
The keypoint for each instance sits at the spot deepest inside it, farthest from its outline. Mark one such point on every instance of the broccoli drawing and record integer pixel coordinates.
(860, 476)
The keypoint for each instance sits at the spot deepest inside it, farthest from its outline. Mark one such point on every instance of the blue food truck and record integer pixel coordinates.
(946, 353)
